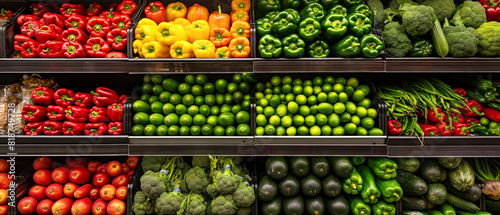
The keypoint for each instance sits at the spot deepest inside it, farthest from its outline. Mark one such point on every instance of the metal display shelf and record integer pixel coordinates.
(60, 65)
(303, 65)
(194, 65)
(447, 65)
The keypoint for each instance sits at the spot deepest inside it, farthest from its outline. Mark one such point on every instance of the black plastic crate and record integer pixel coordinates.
(7, 29)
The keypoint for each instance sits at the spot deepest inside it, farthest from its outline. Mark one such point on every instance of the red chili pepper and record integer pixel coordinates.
(26, 18)
(115, 112)
(46, 33)
(54, 18)
(43, 96)
(123, 99)
(83, 100)
(435, 117)
(98, 27)
(64, 97)
(460, 130)
(18, 55)
(113, 6)
(492, 8)
(492, 114)
(19, 40)
(460, 91)
(77, 114)
(30, 49)
(471, 121)
(39, 9)
(127, 7)
(104, 96)
(74, 34)
(5, 14)
(117, 38)
(115, 128)
(73, 49)
(445, 133)
(73, 128)
(50, 49)
(115, 55)
(95, 9)
(473, 109)
(29, 28)
(68, 10)
(95, 129)
(34, 113)
(33, 128)
(394, 127)
(76, 21)
(455, 117)
(98, 114)
(156, 12)
(429, 130)
(52, 128)
(96, 47)
(108, 15)
(56, 113)
(121, 21)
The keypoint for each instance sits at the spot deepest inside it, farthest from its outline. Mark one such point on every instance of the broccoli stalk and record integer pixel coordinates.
(193, 204)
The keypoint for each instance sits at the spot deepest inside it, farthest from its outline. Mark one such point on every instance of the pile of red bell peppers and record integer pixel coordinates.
(75, 31)
(63, 112)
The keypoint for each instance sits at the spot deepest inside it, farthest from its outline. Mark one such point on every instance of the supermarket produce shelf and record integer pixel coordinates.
(447, 65)
(198, 66)
(304, 65)
(61, 65)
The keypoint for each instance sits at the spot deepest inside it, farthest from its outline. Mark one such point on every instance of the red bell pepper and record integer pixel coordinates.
(46, 33)
(43, 96)
(33, 128)
(39, 9)
(492, 8)
(461, 129)
(19, 40)
(104, 96)
(95, 129)
(460, 91)
(73, 49)
(54, 18)
(156, 12)
(98, 114)
(68, 10)
(73, 128)
(115, 55)
(455, 117)
(64, 97)
(98, 27)
(30, 49)
(96, 47)
(29, 28)
(5, 14)
(471, 121)
(26, 18)
(429, 130)
(127, 7)
(108, 15)
(492, 114)
(115, 112)
(76, 21)
(56, 113)
(34, 113)
(113, 7)
(121, 21)
(83, 100)
(394, 127)
(74, 34)
(435, 117)
(50, 49)
(115, 128)
(117, 38)
(123, 99)
(52, 128)
(95, 9)
(18, 55)
(473, 109)
(77, 114)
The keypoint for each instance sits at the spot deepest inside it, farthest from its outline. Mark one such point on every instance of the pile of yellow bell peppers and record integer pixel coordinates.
(181, 32)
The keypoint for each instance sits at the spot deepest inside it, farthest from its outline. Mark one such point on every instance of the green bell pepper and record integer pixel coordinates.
(353, 184)
(272, 14)
(284, 24)
(422, 48)
(384, 168)
(318, 49)
(347, 47)
(371, 46)
(370, 192)
(264, 6)
(390, 189)
(327, 4)
(309, 29)
(362, 8)
(313, 10)
(294, 13)
(294, 4)
(338, 9)
(356, 161)
(334, 27)
(269, 46)
(264, 26)
(293, 46)
(304, 3)
(359, 24)
(384, 208)
(350, 3)
(358, 207)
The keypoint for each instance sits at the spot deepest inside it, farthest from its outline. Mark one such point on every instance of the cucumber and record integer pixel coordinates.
(413, 203)
(447, 209)
(450, 162)
(433, 212)
(299, 166)
(477, 213)
(430, 171)
(337, 206)
(268, 189)
(320, 166)
(410, 165)
(472, 195)
(290, 186)
(273, 207)
(436, 194)
(315, 206)
(276, 167)
(332, 186)
(341, 166)
(293, 205)
(439, 39)
(461, 204)
(310, 186)
(493, 205)
(412, 185)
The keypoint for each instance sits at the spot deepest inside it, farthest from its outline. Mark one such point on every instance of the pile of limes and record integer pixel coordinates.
(193, 106)
(321, 106)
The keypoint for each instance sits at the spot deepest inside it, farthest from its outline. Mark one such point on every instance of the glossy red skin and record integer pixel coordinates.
(121, 180)
(44, 207)
(114, 168)
(82, 191)
(38, 192)
(132, 161)
(100, 179)
(102, 167)
(94, 193)
(107, 192)
(69, 189)
(5, 180)
(4, 209)
(27, 205)
(99, 207)
(125, 168)
(60, 175)
(62, 206)
(82, 206)
(70, 163)
(116, 207)
(79, 175)
(121, 193)
(93, 165)
(43, 177)
(55, 192)
(42, 163)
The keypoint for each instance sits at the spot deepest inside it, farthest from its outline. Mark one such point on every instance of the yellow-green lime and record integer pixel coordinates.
(263, 102)
(210, 99)
(199, 100)
(349, 90)
(146, 79)
(193, 110)
(219, 131)
(259, 95)
(269, 85)
(310, 120)
(170, 85)
(343, 97)
(280, 131)
(199, 119)
(371, 112)
(228, 98)
(322, 97)
(314, 109)
(156, 107)
(352, 82)
(325, 108)
(326, 130)
(219, 98)
(297, 89)
(260, 87)
(173, 130)
(282, 97)
(286, 121)
(259, 110)
(150, 130)
(303, 130)
(214, 110)
(208, 88)
(259, 131)
(291, 131)
(366, 103)
(350, 128)
(157, 89)
(232, 87)
(360, 131)
(275, 80)
(268, 96)
(304, 110)
(207, 130)
(141, 118)
(326, 88)
(338, 131)
(147, 88)
(361, 112)
(375, 132)
(225, 108)
(175, 99)
(274, 120)
(367, 122)
(171, 119)
(301, 99)
(315, 130)
(195, 130)
(221, 85)
(168, 108)
(161, 130)
(350, 107)
(269, 130)
(242, 117)
(244, 87)
(321, 119)
(364, 88)
(212, 120)
(293, 107)
(274, 101)
(287, 88)
(237, 78)
(230, 131)
(190, 79)
(298, 120)
(261, 120)
(184, 131)
(188, 99)
(358, 95)
(201, 79)
(356, 120)
(286, 80)
(281, 110)
(204, 110)
(297, 81)
(307, 91)
(333, 120)
(186, 120)
(269, 111)
(226, 119)
(180, 109)
(307, 83)
(197, 90)
(153, 99)
(333, 97)
(289, 97)
(338, 88)
(345, 118)
(243, 130)
(276, 90)
(340, 80)
(145, 97)
(339, 108)
(317, 81)
(236, 108)
(329, 80)
(184, 88)
(245, 105)
(317, 90)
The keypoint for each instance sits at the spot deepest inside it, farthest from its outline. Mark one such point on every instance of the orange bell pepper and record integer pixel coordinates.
(176, 10)
(219, 20)
(220, 37)
(199, 30)
(239, 47)
(241, 5)
(240, 15)
(197, 12)
(222, 52)
(240, 29)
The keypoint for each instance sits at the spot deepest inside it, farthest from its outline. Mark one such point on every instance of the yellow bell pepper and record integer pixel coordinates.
(222, 52)
(146, 33)
(154, 49)
(199, 30)
(169, 33)
(181, 49)
(146, 21)
(185, 24)
(204, 49)
(138, 47)
(176, 10)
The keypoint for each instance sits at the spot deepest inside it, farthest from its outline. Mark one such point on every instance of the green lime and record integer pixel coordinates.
(245, 105)
(209, 88)
(141, 106)
(301, 99)
(260, 87)
(199, 119)
(325, 108)
(275, 80)
(188, 99)
(184, 88)
(286, 121)
(226, 119)
(207, 130)
(232, 87)
(173, 130)
(345, 118)
(204, 110)
(171, 119)
(352, 82)
(317, 90)
(338, 131)
(307, 83)
(484, 121)
(303, 130)
(157, 89)
(361, 112)
(349, 90)
(340, 80)
(315, 130)
(180, 109)
(153, 99)
(358, 95)
(237, 78)
(221, 85)
(321, 119)
(197, 90)
(314, 109)
(212, 120)
(338, 88)
(201, 79)
(280, 131)
(263, 102)
(235, 109)
(322, 97)
(243, 130)
(147, 88)
(259, 95)
(138, 130)
(186, 120)
(367, 122)
(282, 97)
(193, 110)
(268, 96)
(364, 88)
(286, 80)
(259, 110)
(287, 88)
(259, 131)
(195, 130)
(274, 120)
(366, 103)
(304, 110)
(165, 96)
(308, 91)
(150, 130)
(289, 97)
(375, 132)
(269, 130)
(219, 131)
(350, 128)
(175, 99)
(141, 118)
(156, 119)
(228, 98)
(269, 111)
(360, 131)
(333, 97)
(145, 97)
(269, 85)
(291, 131)
(210, 100)
(281, 110)
(146, 79)
(275, 101)
(297, 89)
(350, 107)
(298, 120)
(244, 87)
(261, 120)
(356, 120)
(199, 100)
(170, 85)
(343, 97)
(372, 113)
(317, 81)
(230, 131)
(184, 131)
(242, 117)
(293, 107)
(329, 80)
(296, 82)
(339, 108)
(310, 120)
(276, 90)
(333, 120)
(326, 130)
(226, 108)
(190, 79)
(219, 98)
(327, 88)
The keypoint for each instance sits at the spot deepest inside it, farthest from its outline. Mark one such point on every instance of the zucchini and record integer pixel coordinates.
(433, 212)
(273, 207)
(462, 177)
(290, 186)
(268, 189)
(332, 186)
(310, 186)
(450, 162)
(477, 213)
(299, 166)
(439, 40)
(276, 167)
(320, 166)
(430, 171)
(293, 205)
(412, 185)
(337, 206)
(413, 203)
(315, 206)
(447, 209)
(461, 204)
(410, 165)
(341, 166)
(471, 195)
(436, 194)
(493, 205)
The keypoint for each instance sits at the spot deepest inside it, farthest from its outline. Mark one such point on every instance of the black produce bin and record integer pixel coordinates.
(7, 29)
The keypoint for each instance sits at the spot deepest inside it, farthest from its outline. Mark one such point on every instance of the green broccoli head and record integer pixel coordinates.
(201, 161)
(152, 163)
(442, 8)
(418, 20)
(212, 190)
(226, 182)
(223, 205)
(397, 43)
(152, 184)
(142, 204)
(196, 205)
(378, 11)
(196, 180)
(396, 4)
(462, 41)
(489, 39)
(245, 211)
(470, 14)
(169, 203)
(244, 196)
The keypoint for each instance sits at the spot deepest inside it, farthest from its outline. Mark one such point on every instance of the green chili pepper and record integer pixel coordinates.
(293, 46)
(347, 47)
(309, 29)
(264, 6)
(318, 49)
(334, 27)
(371, 46)
(264, 26)
(284, 24)
(359, 24)
(313, 10)
(422, 48)
(269, 46)
(338, 9)
(362, 8)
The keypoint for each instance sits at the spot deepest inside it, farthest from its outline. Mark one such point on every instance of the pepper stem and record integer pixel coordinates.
(178, 51)
(218, 36)
(177, 7)
(94, 93)
(96, 47)
(240, 47)
(71, 37)
(220, 11)
(71, 50)
(154, 8)
(165, 32)
(48, 128)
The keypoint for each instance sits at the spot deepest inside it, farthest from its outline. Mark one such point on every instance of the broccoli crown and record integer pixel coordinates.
(489, 39)
(142, 204)
(396, 4)
(152, 185)
(196, 205)
(152, 163)
(470, 14)
(212, 190)
(196, 180)
(223, 205)
(462, 41)
(397, 43)
(418, 20)
(244, 211)
(201, 161)
(442, 8)
(244, 196)
(378, 11)
(226, 182)
(169, 203)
